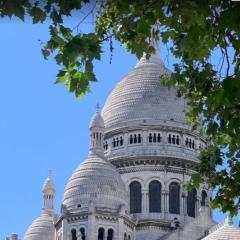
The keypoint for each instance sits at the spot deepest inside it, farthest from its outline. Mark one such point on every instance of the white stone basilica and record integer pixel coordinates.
(131, 186)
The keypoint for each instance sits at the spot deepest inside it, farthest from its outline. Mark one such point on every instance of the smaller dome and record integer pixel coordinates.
(95, 181)
(97, 120)
(41, 229)
(224, 231)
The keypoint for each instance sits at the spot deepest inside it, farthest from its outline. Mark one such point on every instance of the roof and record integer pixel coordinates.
(224, 231)
(141, 98)
(41, 229)
(95, 181)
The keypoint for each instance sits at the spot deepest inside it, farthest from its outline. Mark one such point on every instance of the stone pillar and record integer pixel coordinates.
(120, 234)
(144, 208)
(165, 208)
(65, 230)
(198, 201)
(184, 203)
(91, 231)
(167, 202)
(147, 202)
(144, 137)
(125, 141)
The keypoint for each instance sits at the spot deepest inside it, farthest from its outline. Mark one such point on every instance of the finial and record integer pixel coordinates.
(229, 220)
(153, 41)
(50, 173)
(97, 108)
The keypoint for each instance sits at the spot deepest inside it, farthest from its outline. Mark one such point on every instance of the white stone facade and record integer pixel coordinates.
(131, 186)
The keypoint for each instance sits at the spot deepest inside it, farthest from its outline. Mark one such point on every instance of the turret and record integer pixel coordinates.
(48, 195)
(96, 133)
(13, 236)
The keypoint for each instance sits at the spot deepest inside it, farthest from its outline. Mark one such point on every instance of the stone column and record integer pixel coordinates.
(198, 200)
(147, 202)
(120, 234)
(91, 231)
(184, 203)
(167, 201)
(144, 137)
(144, 208)
(65, 230)
(165, 208)
(125, 140)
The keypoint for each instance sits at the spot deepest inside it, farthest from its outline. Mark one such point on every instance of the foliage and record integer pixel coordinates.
(196, 29)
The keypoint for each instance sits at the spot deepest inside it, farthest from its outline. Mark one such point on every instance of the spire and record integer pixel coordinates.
(97, 108)
(48, 195)
(154, 42)
(97, 132)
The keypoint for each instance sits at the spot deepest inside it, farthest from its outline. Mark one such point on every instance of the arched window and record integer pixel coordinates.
(131, 139)
(106, 145)
(74, 234)
(150, 137)
(129, 237)
(190, 143)
(82, 234)
(155, 196)
(173, 139)
(154, 137)
(114, 143)
(110, 234)
(139, 138)
(177, 140)
(125, 236)
(204, 198)
(191, 202)
(101, 233)
(121, 141)
(159, 137)
(169, 138)
(174, 198)
(135, 197)
(135, 138)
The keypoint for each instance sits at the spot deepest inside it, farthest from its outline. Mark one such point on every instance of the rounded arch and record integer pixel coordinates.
(155, 191)
(177, 180)
(153, 178)
(204, 197)
(133, 179)
(191, 202)
(135, 190)
(174, 197)
(101, 233)
(125, 236)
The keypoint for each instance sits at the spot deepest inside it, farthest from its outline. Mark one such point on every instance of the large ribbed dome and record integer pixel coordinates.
(41, 229)
(96, 181)
(140, 98)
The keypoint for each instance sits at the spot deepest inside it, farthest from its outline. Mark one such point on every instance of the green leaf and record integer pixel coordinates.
(38, 15)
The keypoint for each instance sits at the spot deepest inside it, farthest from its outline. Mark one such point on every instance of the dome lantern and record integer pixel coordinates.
(48, 195)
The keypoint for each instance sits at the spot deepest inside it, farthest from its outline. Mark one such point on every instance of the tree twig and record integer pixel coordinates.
(86, 16)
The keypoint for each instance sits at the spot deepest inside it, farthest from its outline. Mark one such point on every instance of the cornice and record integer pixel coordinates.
(153, 163)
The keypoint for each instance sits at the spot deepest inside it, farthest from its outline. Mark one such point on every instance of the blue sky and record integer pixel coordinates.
(42, 126)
